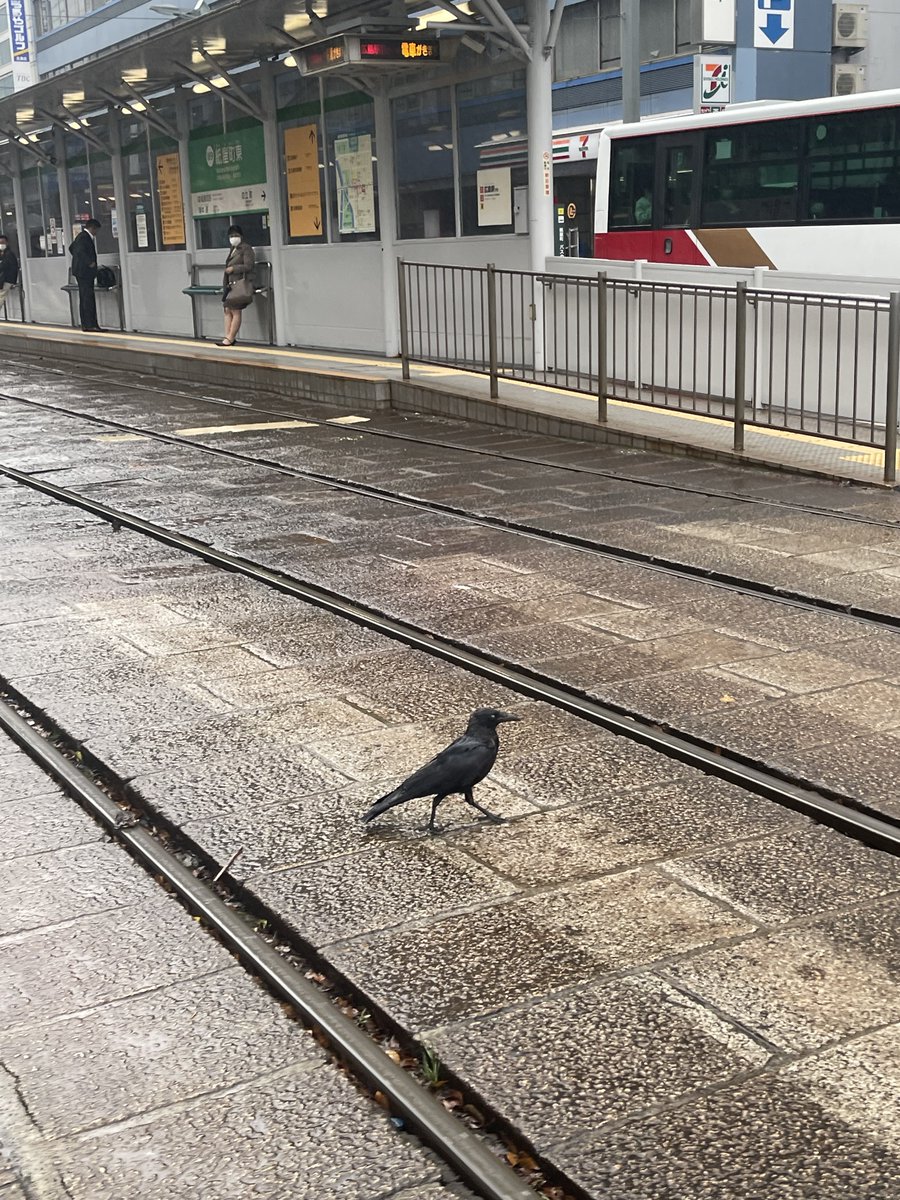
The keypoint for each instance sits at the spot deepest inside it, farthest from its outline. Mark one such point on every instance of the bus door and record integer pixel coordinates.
(677, 174)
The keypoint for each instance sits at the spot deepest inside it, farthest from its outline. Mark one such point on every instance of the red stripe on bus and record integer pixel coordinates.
(654, 245)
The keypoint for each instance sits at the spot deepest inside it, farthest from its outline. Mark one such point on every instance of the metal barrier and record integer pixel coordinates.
(824, 365)
(114, 291)
(4, 310)
(263, 289)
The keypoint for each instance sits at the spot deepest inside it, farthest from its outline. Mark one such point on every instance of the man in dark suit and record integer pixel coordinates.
(84, 268)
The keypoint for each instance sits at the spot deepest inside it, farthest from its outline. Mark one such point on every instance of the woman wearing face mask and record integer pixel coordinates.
(238, 265)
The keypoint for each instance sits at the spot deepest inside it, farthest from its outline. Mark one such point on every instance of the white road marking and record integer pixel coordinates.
(120, 437)
(347, 420)
(249, 428)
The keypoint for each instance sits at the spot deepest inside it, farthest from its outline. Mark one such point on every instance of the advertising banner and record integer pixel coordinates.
(228, 173)
(20, 14)
(301, 160)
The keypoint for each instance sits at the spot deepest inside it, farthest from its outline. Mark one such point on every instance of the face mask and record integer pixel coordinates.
(2, 247)
(235, 241)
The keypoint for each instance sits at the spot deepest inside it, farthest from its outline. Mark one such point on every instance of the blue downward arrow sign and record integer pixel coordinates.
(773, 28)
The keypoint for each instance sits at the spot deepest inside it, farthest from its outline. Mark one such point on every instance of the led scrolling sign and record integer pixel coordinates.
(339, 51)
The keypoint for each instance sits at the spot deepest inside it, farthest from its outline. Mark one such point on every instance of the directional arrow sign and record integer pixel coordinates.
(773, 24)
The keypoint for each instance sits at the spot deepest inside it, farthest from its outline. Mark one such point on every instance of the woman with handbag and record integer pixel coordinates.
(237, 291)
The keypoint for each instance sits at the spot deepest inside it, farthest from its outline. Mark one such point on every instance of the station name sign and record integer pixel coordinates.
(360, 50)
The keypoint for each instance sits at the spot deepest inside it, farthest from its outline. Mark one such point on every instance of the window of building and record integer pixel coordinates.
(423, 140)
(577, 52)
(751, 174)
(610, 34)
(853, 167)
(491, 123)
(631, 182)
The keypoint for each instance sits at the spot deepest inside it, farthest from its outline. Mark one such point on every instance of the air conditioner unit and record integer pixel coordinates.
(850, 26)
(846, 80)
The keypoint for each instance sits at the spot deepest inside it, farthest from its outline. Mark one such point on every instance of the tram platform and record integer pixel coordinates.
(372, 383)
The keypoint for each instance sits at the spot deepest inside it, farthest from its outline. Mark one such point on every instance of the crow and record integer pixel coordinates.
(457, 769)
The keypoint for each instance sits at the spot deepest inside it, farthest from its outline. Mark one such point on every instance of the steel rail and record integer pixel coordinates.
(641, 558)
(460, 1148)
(841, 812)
(528, 460)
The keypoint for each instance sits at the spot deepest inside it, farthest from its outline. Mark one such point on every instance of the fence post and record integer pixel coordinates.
(404, 309)
(602, 350)
(740, 365)
(492, 329)
(893, 378)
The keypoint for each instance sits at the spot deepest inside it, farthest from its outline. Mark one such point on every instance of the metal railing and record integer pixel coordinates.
(824, 365)
(5, 310)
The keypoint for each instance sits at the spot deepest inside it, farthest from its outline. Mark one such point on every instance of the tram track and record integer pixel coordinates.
(791, 597)
(844, 813)
(224, 912)
(153, 387)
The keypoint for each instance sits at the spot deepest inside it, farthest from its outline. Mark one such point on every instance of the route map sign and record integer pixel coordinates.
(355, 183)
(773, 24)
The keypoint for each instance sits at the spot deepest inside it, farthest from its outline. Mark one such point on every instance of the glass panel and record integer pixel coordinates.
(104, 210)
(657, 29)
(678, 186)
(424, 151)
(751, 174)
(8, 221)
(491, 123)
(631, 182)
(138, 203)
(578, 47)
(610, 34)
(34, 215)
(55, 241)
(853, 166)
(352, 161)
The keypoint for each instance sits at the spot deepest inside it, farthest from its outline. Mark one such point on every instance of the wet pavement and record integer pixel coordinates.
(668, 986)
(812, 693)
(138, 1062)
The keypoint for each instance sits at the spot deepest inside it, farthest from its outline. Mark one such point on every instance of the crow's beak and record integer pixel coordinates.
(508, 717)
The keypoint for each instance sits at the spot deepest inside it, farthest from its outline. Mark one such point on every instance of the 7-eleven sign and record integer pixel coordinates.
(712, 82)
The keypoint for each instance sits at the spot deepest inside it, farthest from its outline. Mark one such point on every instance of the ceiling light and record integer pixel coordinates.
(294, 22)
(33, 137)
(219, 81)
(70, 98)
(134, 75)
(139, 106)
(290, 61)
(24, 115)
(125, 110)
(200, 88)
(73, 124)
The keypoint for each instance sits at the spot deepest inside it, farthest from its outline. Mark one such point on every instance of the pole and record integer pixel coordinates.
(492, 330)
(602, 349)
(740, 365)
(404, 317)
(631, 59)
(539, 85)
(384, 141)
(893, 378)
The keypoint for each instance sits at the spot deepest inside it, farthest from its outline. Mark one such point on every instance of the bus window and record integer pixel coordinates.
(679, 186)
(852, 164)
(631, 182)
(751, 174)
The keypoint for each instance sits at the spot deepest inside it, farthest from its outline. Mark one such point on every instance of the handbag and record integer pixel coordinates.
(240, 294)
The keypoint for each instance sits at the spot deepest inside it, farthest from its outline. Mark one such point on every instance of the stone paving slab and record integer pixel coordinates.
(666, 906)
(137, 1061)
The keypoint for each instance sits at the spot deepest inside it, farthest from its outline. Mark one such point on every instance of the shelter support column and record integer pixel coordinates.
(275, 200)
(22, 229)
(539, 86)
(387, 208)
(183, 121)
(123, 206)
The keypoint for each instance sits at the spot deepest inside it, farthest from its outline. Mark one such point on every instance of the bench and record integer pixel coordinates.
(196, 290)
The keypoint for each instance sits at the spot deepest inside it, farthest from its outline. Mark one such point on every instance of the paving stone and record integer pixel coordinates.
(468, 964)
(564, 1067)
(71, 1070)
(772, 1138)
(798, 871)
(765, 730)
(872, 706)
(303, 1133)
(387, 885)
(45, 823)
(864, 767)
(622, 829)
(586, 770)
(100, 958)
(22, 779)
(805, 987)
(803, 671)
(58, 885)
(61, 644)
(671, 696)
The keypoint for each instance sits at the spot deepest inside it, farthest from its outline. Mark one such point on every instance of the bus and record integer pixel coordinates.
(810, 186)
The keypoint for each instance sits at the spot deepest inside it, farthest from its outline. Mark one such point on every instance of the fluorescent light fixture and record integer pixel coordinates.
(290, 61)
(199, 88)
(24, 114)
(34, 137)
(70, 98)
(134, 75)
(139, 106)
(219, 81)
(73, 124)
(126, 112)
(295, 22)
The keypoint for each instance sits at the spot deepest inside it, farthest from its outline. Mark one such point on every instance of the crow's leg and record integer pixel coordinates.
(470, 799)
(432, 827)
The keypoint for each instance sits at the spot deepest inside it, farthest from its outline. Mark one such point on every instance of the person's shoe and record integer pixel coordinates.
(93, 329)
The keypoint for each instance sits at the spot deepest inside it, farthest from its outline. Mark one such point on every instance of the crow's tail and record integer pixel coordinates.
(380, 806)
